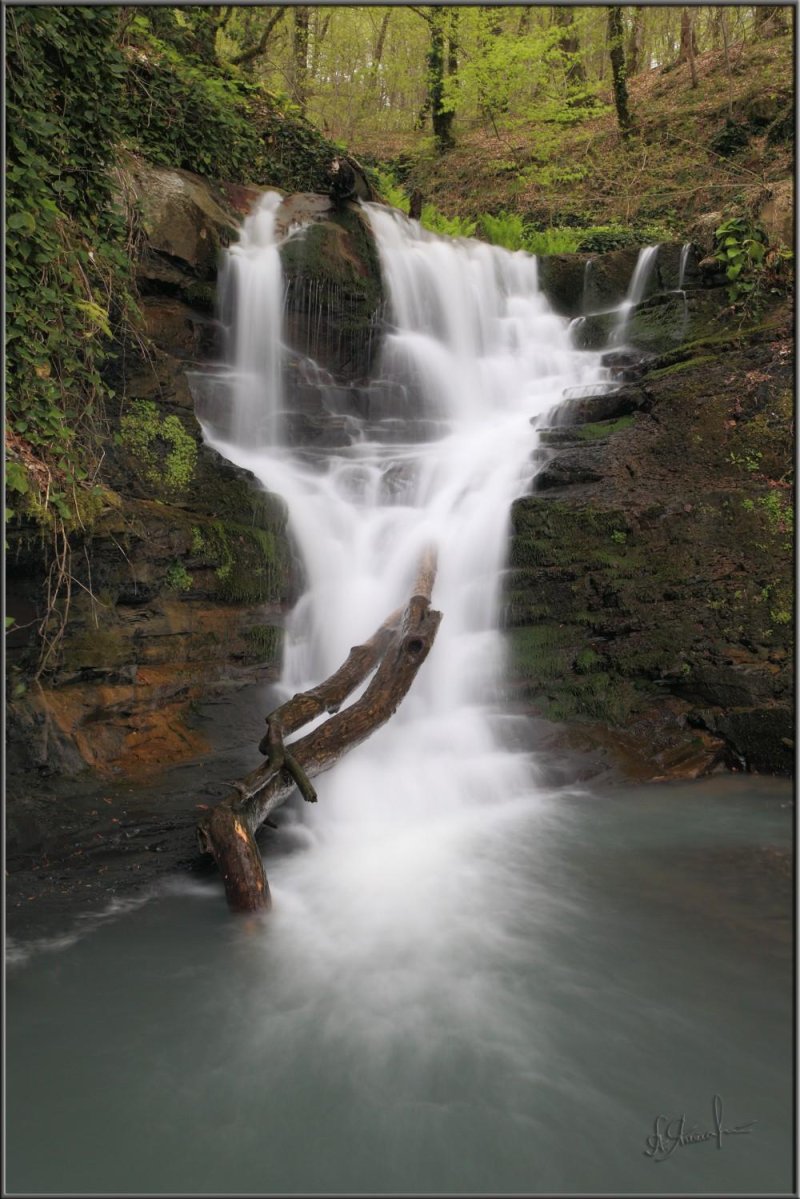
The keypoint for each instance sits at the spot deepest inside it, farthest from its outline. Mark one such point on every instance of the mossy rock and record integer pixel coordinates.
(335, 295)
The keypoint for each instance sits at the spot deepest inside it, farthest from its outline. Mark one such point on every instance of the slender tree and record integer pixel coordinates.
(635, 50)
(299, 63)
(617, 55)
(441, 113)
(688, 43)
(770, 18)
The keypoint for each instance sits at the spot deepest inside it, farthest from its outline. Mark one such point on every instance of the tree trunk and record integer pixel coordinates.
(569, 45)
(394, 653)
(441, 114)
(377, 54)
(489, 28)
(617, 56)
(247, 56)
(691, 46)
(723, 24)
(636, 41)
(299, 77)
(688, 46)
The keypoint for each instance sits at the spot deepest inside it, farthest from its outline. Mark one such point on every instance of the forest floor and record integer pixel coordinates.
(695, 150)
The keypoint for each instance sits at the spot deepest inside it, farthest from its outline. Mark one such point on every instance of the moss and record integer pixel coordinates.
(677, 367)
(178, 578)
(603, 428)
(161, 451)
(587, 660)
(251, 564)
(265, 643)
(96, 649)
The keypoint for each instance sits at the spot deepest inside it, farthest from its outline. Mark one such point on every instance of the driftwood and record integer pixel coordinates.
(394, 653)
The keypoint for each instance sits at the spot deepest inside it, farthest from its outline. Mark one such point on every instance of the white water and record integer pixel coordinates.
(406, 877)
(684, 259)
(636, 289)
(252, 287)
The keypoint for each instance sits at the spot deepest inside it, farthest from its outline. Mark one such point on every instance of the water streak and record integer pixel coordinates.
(685, 251)
(636, 290)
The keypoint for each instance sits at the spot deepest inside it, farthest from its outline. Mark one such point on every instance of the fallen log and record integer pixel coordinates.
(392, 655)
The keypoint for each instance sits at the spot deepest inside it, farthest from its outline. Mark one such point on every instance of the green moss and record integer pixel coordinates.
(251, 564)
(162, 453)
(676, 368)
(586, 660)
(603, 428)
(96, 649)
(178, 578)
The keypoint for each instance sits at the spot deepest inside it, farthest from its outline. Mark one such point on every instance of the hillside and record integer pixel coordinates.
(721, 145)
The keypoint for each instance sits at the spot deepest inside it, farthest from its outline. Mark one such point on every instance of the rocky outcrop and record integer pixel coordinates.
(584, 284)
(649, 604)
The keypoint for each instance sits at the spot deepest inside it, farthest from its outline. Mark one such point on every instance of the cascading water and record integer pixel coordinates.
(469, 984)
(252, 286)
(636, 289)
(477, 352)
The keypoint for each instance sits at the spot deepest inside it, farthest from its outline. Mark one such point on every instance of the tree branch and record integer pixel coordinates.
(394, 653)
(261, 45)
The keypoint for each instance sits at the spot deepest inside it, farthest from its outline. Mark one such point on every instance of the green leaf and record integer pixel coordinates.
(16, 477)
(23, 221)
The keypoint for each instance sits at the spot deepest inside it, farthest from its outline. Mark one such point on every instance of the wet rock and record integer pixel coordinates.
(183, 331)
(606, 405)
(569, 469)
(659, 591)
(626, 365)
(335, 298)
(572, 291)
(761, 737)
(701, 233)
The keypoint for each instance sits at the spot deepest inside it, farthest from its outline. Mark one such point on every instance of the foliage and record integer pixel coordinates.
(165, 454)
(506, 229)
(390, 190)
(184, 111)
(67, 285)
(552, 241)
(454, 226)
(753, 267)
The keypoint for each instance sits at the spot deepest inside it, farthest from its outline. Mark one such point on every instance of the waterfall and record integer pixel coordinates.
(251, 291)
(587, 276)
(685, 251)
(393, 861)
(636, 289)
